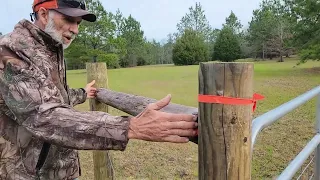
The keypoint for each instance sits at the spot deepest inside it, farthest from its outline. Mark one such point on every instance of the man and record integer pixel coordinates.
(40, 131)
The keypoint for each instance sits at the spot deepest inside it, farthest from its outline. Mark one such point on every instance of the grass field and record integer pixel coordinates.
(275, 147)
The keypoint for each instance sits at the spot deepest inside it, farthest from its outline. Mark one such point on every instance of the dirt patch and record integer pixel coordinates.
(313, 70)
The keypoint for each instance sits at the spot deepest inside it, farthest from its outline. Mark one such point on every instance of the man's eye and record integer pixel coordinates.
(69, 20)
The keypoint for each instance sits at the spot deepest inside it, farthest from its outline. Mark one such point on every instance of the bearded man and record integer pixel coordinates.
(40, 131)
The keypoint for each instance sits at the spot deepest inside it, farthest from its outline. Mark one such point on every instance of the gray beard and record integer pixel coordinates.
(51, 30)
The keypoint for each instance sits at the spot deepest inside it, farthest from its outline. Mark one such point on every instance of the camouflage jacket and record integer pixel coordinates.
(36, 106)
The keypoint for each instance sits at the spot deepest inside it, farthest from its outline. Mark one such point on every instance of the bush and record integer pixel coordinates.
(227, 47)
(190, 49)
(112, 60)
(141, 61)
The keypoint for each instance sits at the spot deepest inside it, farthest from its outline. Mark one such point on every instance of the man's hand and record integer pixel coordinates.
(91, 91)
(157, 126)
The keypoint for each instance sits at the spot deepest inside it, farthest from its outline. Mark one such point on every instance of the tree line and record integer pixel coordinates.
(116, 40)
(278, 28)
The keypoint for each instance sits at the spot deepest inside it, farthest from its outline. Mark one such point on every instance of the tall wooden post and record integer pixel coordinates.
(225, 130)
(103, 168)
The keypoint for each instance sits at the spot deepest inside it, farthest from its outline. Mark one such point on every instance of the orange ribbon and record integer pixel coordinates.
(230, 100)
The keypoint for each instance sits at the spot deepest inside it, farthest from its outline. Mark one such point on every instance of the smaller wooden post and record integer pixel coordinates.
(103, 168)
(225, 130)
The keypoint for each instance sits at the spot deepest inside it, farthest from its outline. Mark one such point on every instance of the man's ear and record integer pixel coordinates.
(43, 16)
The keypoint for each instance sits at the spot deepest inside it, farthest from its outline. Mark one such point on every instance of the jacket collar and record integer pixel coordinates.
(38, 34)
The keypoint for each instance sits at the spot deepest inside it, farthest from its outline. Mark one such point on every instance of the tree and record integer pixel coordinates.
(190, 49)
(282, 29)
(132, 33)
(260, 29)
(98, 36)
(247, 49)
(195, 20)
(118, 20)
(113, 39)
(270, 30)
(306, 36)
(119, 42)
(168, 48)
(212, 39)
(227, 47)
(151, 54)
(77, 55)
(94, 39)
(234, 23)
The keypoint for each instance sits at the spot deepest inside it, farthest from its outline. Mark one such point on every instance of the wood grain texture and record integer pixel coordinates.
(103, 168)
(225, 130)
(133, 104)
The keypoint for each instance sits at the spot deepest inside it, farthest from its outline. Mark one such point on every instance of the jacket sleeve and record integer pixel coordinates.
(77, 96)
(36, 104)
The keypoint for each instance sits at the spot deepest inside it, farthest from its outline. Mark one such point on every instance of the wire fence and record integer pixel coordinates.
(307, 170)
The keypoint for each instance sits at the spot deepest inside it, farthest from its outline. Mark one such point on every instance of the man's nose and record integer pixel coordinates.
(74, 28)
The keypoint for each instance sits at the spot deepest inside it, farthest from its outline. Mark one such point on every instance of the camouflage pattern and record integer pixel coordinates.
(36, 106)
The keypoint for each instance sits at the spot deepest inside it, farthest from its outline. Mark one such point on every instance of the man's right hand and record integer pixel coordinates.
(154, 125)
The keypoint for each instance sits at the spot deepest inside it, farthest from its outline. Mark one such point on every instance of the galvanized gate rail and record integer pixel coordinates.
(272, 116)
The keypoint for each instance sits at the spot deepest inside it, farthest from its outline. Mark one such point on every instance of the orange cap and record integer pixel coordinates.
(73, 8)
(48, 4)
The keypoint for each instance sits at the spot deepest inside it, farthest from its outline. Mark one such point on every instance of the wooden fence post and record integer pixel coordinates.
(225, 130)
(103, 168)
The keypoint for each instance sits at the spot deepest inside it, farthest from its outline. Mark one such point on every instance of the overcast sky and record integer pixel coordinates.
(157, 18)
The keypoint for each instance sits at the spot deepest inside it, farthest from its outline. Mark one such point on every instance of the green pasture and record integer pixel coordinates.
(275, 147)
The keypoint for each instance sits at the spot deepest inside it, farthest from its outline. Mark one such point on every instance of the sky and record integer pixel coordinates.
(157, 18)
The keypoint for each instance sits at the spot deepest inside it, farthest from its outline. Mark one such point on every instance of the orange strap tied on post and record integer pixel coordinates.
(230, 100)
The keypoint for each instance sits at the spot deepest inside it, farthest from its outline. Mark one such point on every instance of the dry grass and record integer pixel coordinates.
(275, 147)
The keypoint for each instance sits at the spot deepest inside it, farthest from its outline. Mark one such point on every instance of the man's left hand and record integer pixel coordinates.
(91, 91)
